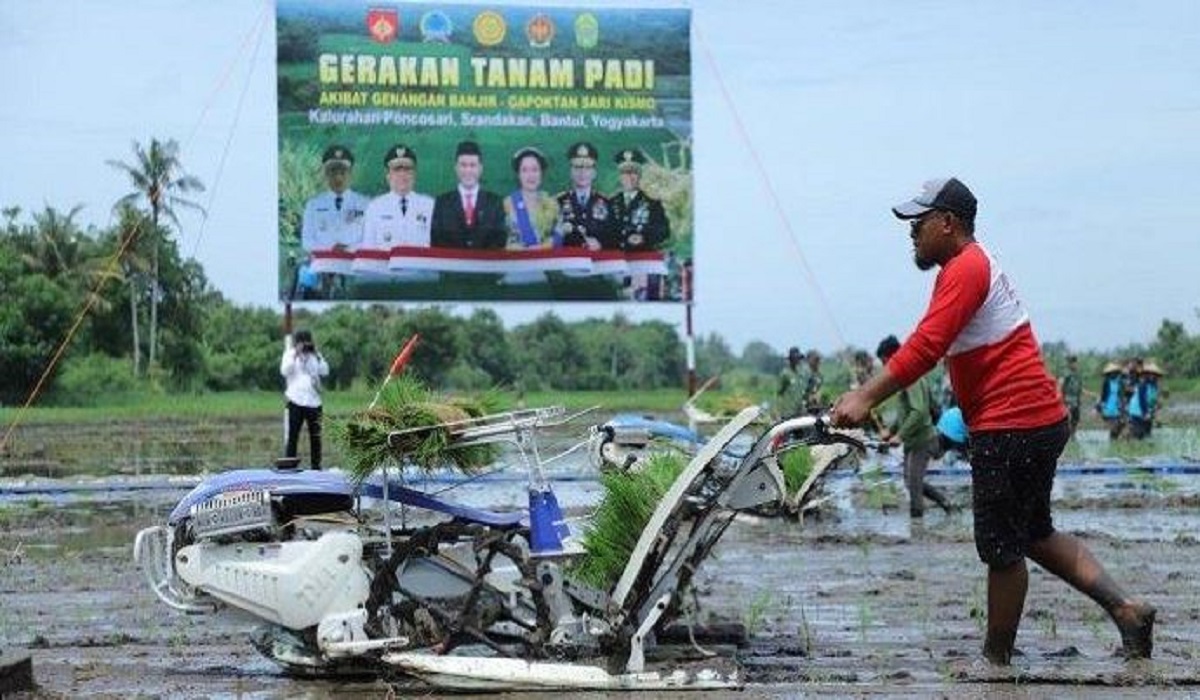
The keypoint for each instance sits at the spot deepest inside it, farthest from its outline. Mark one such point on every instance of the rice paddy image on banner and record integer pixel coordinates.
(456, 152)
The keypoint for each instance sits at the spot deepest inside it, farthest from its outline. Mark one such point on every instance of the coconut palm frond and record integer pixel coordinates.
(419, 418)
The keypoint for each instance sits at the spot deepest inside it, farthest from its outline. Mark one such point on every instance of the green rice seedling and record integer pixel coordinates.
(759, 607)
(866, 618)
(1047, 622)
(1074, 452)
(628, 504)
(978, 608)
(864, 546)
(1154, 483)
(805, 631)
(924, 615)
(1132, 450)
(406, 405)
(1095, 622)
(880, 492)
(796, 465)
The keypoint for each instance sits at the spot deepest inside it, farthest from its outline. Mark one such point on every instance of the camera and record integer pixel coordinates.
(304, 342)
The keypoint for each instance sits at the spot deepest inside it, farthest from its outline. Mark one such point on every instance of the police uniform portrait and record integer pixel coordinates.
(400, 216)
(333, 219)
(585, 215)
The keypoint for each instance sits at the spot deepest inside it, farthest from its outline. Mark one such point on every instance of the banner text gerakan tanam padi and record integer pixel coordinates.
(485, 72)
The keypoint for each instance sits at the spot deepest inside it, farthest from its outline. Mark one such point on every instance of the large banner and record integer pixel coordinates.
(433, 151)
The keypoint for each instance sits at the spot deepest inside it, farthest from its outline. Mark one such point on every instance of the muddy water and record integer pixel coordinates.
(859, 602)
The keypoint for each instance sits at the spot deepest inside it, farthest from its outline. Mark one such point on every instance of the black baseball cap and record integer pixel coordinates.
(943, 194)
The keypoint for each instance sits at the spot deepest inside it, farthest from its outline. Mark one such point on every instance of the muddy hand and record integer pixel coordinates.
(850, 409)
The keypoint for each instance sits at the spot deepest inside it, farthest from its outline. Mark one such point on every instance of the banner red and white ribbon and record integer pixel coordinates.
(403, 261)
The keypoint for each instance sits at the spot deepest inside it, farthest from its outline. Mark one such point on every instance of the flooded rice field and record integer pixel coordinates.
(859, 601)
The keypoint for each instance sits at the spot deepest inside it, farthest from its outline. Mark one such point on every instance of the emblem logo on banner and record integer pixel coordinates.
(540, 31)
(436, 27)
(383, 24)
(489, 28)
(587, 31)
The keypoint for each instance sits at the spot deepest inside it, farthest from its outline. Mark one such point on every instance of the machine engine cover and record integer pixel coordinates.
(293, 584)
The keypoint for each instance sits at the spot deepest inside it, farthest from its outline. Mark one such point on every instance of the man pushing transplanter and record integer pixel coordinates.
(1017, 422)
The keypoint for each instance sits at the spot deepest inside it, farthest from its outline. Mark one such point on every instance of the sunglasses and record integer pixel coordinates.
(918, 222)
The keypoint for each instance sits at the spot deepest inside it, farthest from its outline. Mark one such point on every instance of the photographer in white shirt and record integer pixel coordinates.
(302, 367)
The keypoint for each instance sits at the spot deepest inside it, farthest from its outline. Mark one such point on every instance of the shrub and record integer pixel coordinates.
(91, 378)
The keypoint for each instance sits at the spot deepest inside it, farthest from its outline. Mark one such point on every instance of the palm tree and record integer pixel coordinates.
(10, 215)
(54, 245)
(160, 181)
(133, 266)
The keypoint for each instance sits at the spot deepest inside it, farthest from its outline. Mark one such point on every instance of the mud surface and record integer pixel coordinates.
(859, 602)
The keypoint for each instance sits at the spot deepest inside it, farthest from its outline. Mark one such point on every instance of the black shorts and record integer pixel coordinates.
(1012, 472)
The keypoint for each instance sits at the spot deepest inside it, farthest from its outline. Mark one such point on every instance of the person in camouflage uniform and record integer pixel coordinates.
(913, 427)
(789, 397)
(1072, 391)
(815, 401)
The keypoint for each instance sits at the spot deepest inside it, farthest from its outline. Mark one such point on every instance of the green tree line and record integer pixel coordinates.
(94, 314)
(82, 290)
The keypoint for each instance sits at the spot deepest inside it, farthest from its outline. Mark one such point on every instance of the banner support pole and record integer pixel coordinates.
(690, 338)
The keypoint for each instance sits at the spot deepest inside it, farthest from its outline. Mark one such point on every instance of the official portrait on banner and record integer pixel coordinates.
(455, 152)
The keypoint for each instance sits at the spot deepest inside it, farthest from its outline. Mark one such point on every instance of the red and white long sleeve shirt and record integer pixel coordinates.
(976, 321)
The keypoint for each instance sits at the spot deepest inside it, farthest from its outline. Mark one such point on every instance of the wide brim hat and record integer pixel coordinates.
(1110, 368)
(1151, 367)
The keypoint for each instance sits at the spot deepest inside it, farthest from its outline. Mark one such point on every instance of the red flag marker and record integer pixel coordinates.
(405, 353)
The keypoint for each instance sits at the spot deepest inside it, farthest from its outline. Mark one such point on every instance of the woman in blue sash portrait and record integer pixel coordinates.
(530, 213)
